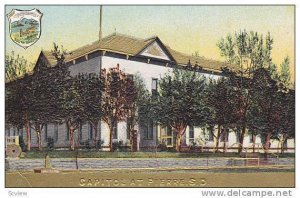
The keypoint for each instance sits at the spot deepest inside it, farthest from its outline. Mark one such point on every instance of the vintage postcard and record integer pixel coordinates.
(189, 96)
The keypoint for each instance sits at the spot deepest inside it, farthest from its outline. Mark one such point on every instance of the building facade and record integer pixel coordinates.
(151, 59)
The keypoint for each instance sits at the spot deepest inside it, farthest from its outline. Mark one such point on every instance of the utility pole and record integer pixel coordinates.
(100, 24)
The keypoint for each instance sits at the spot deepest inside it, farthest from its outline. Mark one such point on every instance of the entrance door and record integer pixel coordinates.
(167, 137)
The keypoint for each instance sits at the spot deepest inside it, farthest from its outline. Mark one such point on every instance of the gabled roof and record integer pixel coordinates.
(132, 46)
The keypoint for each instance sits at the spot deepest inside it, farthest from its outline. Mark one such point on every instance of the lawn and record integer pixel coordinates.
(105, 154)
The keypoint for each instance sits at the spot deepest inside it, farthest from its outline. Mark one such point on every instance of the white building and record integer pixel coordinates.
(151, 58)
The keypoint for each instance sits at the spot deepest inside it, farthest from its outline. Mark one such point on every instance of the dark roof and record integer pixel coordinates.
(132, 46)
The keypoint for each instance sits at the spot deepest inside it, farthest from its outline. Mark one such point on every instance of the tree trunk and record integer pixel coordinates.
(282, 144)
(131, 136)
(28, 145)
(282, 147)
(180, 132)
(39, 138)
(254, 140)
(72, 139)
(178, 142)
(96, 133)
(267, 144)
(242, 139)
(218, 138)
(110, 139)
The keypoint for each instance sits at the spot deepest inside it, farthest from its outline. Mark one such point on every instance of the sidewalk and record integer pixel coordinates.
(135, 163)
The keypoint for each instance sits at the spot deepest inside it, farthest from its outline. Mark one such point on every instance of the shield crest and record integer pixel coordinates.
(25, 26)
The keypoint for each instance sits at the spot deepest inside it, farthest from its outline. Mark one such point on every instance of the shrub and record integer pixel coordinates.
(193, 146)
(99, 144)
(87, 145)
(22, 144)
(50, 143)
(117, 146)
(162, 147)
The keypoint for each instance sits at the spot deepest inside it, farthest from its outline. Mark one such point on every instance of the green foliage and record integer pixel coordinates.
(99, 144)
(22, 143)
(286, 125)
(181, 101)
(118, 146)
(220, 99)
(119, 99)
(162, 147)
(16, 66)
(193, 146)
(87, 145)
(247, 51)
(250, 55)
(265, 108)
(50, 143)
(285, 75)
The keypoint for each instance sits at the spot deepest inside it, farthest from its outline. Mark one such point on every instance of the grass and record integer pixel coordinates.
(105, 154)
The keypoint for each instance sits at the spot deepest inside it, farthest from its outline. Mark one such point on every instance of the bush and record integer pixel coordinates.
(50, 143)
(117, 146)
(193, 146)
(22, 144)
(162, 147)
(99, 144)
(87, 145)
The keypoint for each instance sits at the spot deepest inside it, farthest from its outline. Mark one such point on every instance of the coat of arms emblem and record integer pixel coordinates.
(25, 26)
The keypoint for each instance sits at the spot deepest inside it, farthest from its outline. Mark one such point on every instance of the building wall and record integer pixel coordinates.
(147, 71)
(91, 65)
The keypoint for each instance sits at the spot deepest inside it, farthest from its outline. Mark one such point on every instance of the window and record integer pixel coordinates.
(149, 129)
(191, 134)
(56, 132)
(128, 125)
(90, 131)
(46, 132)
(166, 135)
(211, 133)
(238, 134)
(80, 132)
(114, 130)
(154, 85)
(21, 132)
(7, 132)
(251, 138)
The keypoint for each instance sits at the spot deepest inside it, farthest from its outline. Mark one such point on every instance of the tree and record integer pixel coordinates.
(68, 102)
(16, 66)
(265, 107)
(219, 100)
(286, 128)
(139, 110)
(72, 106)
(285, 75)
(16, 97)
(181, 102)
(117, 98)
(244, 54)
(17, 105)
(92, 87)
